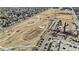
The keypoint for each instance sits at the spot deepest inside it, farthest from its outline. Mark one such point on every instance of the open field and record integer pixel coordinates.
(25, 35)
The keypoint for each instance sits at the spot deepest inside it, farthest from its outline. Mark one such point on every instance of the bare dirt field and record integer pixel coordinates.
(25, 35)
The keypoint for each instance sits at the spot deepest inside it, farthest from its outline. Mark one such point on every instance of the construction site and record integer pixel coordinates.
(39, 28)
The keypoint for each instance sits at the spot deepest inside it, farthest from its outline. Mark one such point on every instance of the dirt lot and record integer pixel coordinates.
(28, 32)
